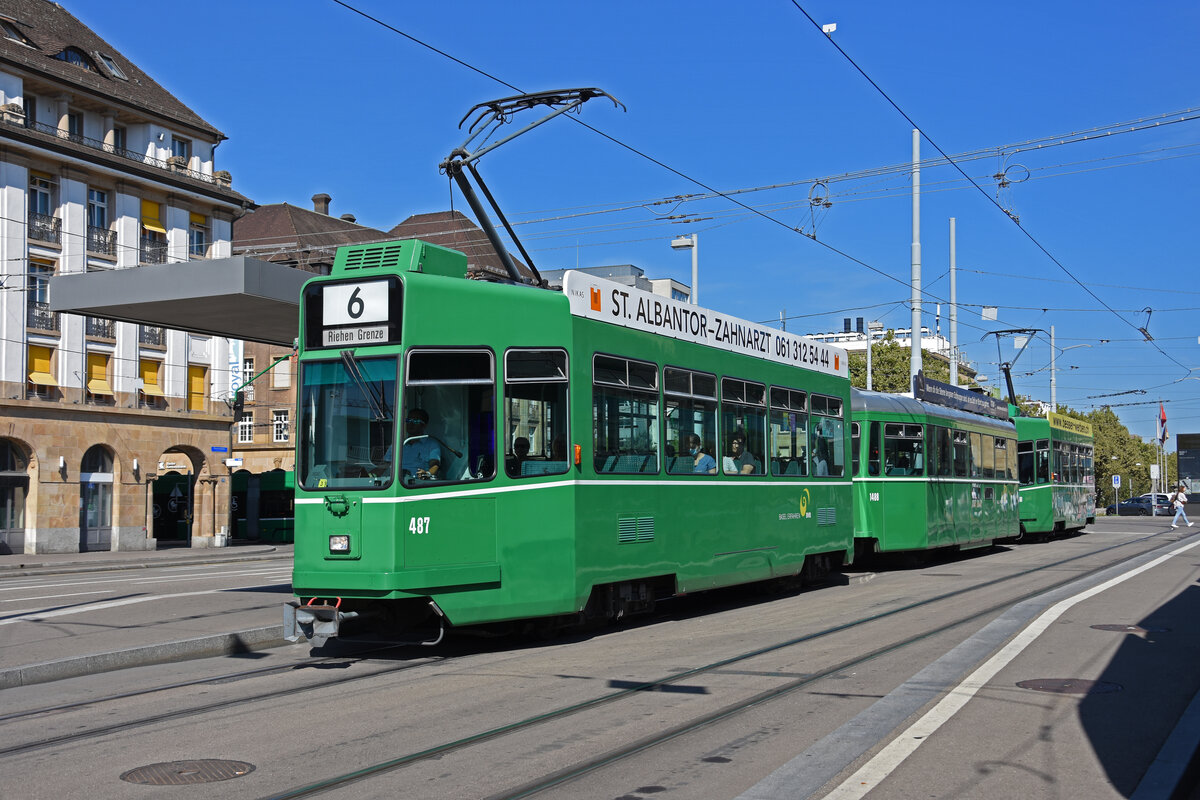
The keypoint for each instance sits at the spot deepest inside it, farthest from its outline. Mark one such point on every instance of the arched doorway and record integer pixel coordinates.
(95, 499)
(174, 494)
(14, 488)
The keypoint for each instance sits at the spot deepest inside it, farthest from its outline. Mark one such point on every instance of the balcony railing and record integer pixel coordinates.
(45, 228)
(39, 316)
(220, 178)
(103, 328)
(102, 240)
(152, 335)
(153, 251)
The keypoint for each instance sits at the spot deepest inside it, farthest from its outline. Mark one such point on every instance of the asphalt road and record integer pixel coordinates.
(728, 695)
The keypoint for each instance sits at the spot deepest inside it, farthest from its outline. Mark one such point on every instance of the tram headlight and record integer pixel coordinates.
(339, 543)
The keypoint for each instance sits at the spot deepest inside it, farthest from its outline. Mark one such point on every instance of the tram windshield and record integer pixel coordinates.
(347, 423)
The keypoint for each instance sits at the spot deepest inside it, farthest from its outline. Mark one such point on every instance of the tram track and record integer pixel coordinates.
(646, 743)
(184, 713)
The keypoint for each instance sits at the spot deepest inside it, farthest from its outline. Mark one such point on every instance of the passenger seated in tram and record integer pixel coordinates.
(702, 462)
(741, 461)
(520, 451)
(821, 466)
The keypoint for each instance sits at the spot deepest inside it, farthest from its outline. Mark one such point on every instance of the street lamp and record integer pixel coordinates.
(691, 243)
(873, 327)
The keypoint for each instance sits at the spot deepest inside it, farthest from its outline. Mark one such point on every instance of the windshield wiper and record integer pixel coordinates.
(379, 407)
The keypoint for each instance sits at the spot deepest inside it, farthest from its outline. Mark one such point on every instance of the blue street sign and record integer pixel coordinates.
(1116, 481)
(220, 449)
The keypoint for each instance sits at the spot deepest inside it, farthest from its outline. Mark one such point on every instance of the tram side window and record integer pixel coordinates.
(789, 432)
(855, 443)
(827, 435)
(743, 422)
(962, 454)
(535, 413)
(874, 451)
(347, 423)
(456, 389)
(1025, 463)
(941, 453)
(1089, 476)
(902, 446)
(690, 425)
(987, 457)
(976, 455)
(1011, 446)
(1042, 462)
(1056, 463)
(624, 415)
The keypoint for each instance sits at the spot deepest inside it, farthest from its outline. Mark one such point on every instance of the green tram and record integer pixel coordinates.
(474, 452)
(1055, 458)
(929, 475)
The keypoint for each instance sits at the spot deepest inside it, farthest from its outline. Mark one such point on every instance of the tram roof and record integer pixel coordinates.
(238, 297)
(864, 401)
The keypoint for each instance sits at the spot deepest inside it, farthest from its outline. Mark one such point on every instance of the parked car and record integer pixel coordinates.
(1141, 507)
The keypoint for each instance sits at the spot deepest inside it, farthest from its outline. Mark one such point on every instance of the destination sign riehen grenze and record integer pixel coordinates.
(348, 309)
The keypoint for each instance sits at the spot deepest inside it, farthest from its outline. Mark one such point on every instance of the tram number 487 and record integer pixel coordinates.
(418, 525)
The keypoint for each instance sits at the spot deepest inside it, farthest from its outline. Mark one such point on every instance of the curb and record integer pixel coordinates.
(164, 653)
(42, 568)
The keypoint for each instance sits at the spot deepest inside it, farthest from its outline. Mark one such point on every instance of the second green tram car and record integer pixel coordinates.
(1055, 458)
(929, 476)
(474, 452)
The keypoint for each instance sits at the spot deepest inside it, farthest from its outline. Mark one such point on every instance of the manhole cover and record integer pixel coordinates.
(182, 773)
(1130, 628)
(1070, 686)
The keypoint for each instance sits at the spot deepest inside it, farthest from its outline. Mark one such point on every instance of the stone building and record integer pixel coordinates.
(101, 168)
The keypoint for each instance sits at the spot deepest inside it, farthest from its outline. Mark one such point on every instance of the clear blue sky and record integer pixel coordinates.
(316, 98)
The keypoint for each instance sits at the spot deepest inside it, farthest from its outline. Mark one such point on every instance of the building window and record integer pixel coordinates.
(99, 391)
(181, 148)
(112, 66)
(198, 236)
(41, 373)
(152, 394)
(30, 105)
(247, 377)
(196, 381)
(37, 298)
(154, 235)
(75, 56)
(11, 31)
(120, 139)
(75, 126)
(245, 428)
(99, 238)
(279, 425)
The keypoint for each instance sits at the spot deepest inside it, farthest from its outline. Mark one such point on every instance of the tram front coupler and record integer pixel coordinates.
(317, 621)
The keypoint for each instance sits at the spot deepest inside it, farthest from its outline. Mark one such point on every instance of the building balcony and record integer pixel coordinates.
(39, 316)
(152, 335)
(220, 178)
(152, 251)
(101, 240)
(100, 327)
(45, 228)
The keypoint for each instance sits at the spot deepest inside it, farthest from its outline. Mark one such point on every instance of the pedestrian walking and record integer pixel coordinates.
(1178, 500)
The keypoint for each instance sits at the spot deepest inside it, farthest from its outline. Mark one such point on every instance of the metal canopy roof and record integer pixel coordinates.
(239, 297)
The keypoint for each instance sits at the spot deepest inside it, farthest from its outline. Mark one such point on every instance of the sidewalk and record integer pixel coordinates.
(43, 563)
(145, 634)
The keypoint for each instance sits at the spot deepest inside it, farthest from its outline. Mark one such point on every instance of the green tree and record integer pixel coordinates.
(891, 365)
(1120, 452)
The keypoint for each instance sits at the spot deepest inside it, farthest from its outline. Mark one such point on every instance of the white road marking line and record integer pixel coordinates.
(38, 615)
(893, 755)
(53, 596)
